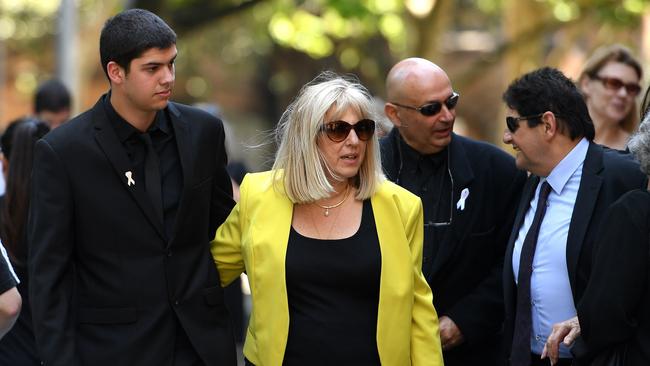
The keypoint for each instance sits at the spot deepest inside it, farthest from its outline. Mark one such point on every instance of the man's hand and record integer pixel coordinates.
(450, 334)
(565, 332)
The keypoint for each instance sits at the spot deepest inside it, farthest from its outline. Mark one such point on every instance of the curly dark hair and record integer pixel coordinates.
(548, 89)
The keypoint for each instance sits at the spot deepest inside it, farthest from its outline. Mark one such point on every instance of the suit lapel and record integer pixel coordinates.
(526, 196)
(112, 148)
(583, 210)
(183, 143)
(463, 175)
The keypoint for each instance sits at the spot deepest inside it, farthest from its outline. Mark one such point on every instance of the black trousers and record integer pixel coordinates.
(536, 361)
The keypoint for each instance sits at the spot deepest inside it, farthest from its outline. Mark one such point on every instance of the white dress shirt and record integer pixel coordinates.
(550, 290)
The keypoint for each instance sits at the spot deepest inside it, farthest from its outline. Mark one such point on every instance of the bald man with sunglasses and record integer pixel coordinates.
(469, 191)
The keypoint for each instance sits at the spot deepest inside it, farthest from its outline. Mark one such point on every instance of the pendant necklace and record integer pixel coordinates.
(327, 208)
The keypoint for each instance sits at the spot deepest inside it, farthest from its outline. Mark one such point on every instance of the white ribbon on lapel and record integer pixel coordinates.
(129, 178)
(463, 196)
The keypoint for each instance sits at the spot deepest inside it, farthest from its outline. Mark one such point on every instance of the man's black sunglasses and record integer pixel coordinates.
(338, 131)
(513, 122)
(433, 108)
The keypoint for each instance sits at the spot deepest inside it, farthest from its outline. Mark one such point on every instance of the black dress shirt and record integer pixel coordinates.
(427, 176)
(164, 142)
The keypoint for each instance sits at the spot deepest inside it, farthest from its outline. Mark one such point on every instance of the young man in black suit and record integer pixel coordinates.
(126, 197)
(469, 191)
(572, 182)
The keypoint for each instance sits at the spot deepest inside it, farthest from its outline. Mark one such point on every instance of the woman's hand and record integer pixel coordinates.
(565, 332)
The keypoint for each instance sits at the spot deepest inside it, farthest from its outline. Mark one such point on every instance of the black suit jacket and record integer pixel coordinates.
(606, 175)
(107, 288)
(615, 308)
(465, 275)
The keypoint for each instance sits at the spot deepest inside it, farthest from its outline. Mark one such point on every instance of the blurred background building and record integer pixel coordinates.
(251, 56)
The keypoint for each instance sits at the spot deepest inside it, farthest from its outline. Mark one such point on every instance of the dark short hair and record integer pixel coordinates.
(7, 138)
(51, 95)
(548, 89)
(129, 34)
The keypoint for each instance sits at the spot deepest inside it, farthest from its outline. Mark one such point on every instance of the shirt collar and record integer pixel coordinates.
(124, 129)
(562, 172)
(410, 154)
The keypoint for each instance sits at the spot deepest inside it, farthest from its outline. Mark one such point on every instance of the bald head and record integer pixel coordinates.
(412, 84)
(408, 77)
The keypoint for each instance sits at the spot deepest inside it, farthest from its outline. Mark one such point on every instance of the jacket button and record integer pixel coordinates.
(169, 252)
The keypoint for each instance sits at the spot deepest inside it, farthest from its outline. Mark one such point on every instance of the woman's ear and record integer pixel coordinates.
(585, 85)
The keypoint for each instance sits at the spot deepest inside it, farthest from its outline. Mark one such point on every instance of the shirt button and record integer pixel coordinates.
(538, 338)
(169, 253)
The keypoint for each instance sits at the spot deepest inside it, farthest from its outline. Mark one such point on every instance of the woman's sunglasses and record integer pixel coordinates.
(632, 89)
(433, 108)
(338, 131)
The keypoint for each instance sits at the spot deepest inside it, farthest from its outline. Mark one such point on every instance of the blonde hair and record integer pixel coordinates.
(614, 53)
(299, 164)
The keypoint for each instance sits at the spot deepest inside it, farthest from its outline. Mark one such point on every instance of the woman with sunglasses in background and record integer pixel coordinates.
(610, 84)
(332, 250)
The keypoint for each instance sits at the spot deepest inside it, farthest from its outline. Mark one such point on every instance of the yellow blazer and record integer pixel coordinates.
(254, 238)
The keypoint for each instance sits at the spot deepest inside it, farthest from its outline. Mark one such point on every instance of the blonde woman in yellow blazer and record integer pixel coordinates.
(329, 152)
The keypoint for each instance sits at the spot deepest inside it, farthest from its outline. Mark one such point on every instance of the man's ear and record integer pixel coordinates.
(550, 124)
(391, 113)
(115, 72)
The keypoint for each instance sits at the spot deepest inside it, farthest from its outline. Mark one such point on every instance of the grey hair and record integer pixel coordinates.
(639, 144)
(299, 163)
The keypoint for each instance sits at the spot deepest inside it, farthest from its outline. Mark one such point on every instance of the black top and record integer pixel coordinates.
(615, 308)
(18, 346)
(7, 279)
(164, 142)
(333, 294)
(427, 176)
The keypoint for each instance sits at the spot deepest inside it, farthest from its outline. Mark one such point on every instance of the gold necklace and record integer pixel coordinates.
(327, 208)
(329, 232)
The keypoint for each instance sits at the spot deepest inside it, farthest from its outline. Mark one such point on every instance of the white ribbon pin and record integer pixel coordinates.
(129, 177)
(461, 202)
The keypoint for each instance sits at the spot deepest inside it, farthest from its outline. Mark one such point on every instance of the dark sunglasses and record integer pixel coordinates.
(513, 122)
(338, 131)
(632, 89)
(433, 108)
